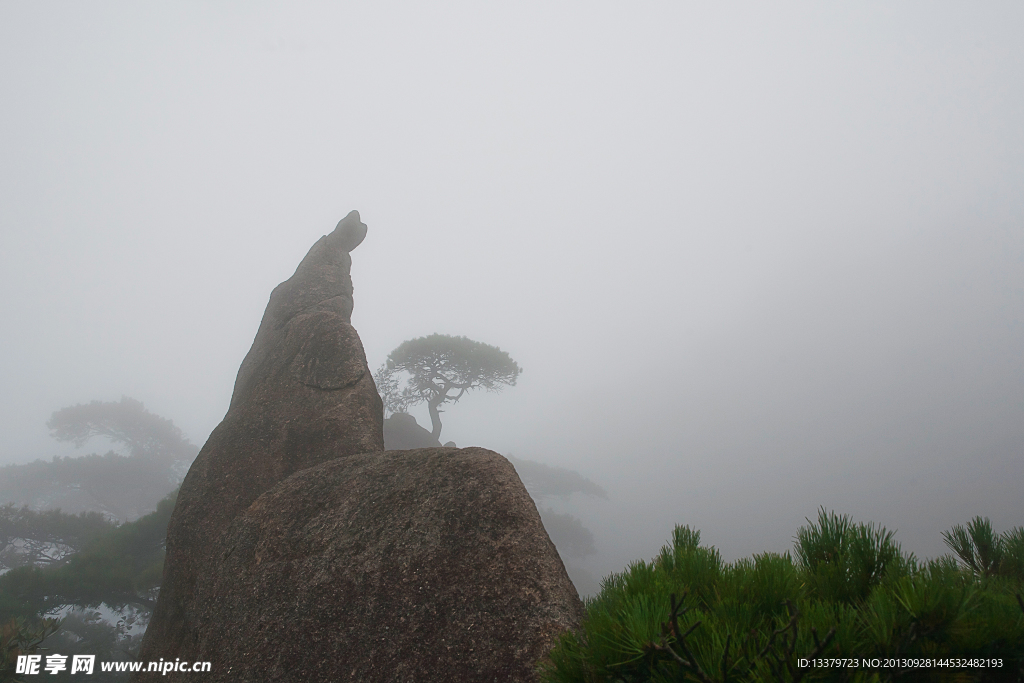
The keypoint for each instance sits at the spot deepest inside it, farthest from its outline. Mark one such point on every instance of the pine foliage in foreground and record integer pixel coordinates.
(847, 592)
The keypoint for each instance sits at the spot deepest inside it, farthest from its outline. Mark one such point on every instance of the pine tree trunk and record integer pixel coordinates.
(435, 416)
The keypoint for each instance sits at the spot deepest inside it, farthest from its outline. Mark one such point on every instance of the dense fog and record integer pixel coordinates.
(754, 260)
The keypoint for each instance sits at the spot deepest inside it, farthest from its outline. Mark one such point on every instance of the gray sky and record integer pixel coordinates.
(754, 259)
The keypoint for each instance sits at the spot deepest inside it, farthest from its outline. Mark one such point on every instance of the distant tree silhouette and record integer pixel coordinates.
(544, 481)
(440, 369)
(119, 486)
(567, 533)
(127, 422)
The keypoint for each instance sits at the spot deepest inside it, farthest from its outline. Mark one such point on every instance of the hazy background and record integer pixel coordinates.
(754, 260)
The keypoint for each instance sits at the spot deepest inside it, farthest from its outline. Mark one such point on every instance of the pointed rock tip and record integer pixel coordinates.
(349, 232)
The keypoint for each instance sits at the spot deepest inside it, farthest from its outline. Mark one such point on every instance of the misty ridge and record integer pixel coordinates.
(88, 560)
(91, 493)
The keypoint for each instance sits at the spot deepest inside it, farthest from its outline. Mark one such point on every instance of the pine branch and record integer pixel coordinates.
(671, 628)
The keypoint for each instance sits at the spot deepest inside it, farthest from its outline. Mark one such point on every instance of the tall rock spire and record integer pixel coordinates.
(300, 551)
(303, 396)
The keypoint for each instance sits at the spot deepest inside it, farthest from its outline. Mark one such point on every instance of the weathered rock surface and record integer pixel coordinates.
(422, 565)
(402, 432)
(300, 550)
(304, 395)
